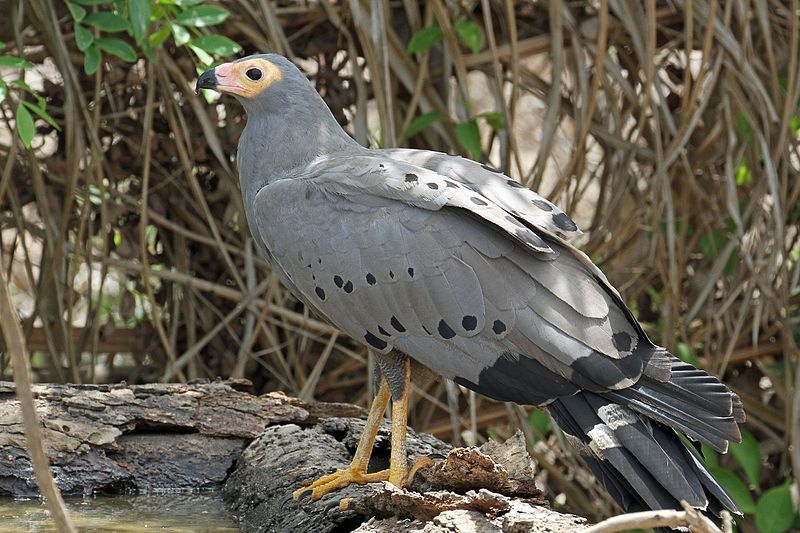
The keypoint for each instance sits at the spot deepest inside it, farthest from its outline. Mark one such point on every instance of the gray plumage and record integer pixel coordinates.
(469, 274)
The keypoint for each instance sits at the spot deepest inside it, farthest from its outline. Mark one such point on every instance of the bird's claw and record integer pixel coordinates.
(338, 480)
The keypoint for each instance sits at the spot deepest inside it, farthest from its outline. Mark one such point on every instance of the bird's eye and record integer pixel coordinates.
(253, 73)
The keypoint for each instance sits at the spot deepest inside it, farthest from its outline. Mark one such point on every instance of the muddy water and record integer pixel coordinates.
(178, 513)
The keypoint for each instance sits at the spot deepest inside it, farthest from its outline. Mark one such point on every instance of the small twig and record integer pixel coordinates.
(689, 517)
(15, 344)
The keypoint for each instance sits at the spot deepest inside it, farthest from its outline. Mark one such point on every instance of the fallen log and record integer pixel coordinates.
(120, 438)
(484, 490)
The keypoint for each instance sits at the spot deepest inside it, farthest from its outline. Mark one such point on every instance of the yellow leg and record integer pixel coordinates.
(357, 471)
(398, 462)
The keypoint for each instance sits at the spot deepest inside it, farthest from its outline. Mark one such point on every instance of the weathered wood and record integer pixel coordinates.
(117, 438)
(113, 438)
(286, 456)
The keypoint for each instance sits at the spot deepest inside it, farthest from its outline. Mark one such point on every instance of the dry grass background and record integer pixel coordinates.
(668, 128)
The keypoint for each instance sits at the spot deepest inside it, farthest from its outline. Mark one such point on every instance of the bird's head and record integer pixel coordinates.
(262, 80)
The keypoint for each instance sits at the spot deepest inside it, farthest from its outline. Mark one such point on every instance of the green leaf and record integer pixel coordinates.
(3, 90)
(736, 488)
(496, 120)
(749, 457)
(424, 39)
(709, 456)
(470, 34)
(117, 47)
(469, 137)
(22, 84)
(83, 37)
(76, 11)
(25, 126)
(743, 174)
(158, 37)
(201, 54)
(540, 421)
(140, 12)
(217, 44)
(181, 35)
(106, 21)
(202, 16)
(685, 354)
(794, 125)
(774, 510)
(421, 122)
(14, 62)
(91, 60)
(42, 113)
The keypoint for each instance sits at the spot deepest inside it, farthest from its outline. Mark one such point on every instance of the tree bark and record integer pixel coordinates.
(259, 449)
(118, 438)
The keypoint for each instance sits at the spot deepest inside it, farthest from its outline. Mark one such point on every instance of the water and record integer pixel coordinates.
(178, 513)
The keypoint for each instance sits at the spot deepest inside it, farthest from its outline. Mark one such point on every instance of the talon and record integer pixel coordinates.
(423, 462)
(339, 480)
(301, 494)
(286, 500)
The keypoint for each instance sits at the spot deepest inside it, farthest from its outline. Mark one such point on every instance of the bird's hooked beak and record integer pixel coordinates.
(225, 78)
(207, 80)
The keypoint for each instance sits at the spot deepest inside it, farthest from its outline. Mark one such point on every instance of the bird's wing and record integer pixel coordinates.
(378, 176)
(502, 190)
(397, 257)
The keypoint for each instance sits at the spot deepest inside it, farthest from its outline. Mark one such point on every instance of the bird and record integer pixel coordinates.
(441, 265)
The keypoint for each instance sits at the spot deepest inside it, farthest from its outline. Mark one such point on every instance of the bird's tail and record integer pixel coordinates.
(626, 439)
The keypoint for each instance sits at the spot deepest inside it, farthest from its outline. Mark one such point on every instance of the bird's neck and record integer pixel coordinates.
(278, 145)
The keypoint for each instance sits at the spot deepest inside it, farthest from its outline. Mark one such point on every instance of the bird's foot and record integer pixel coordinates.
(339, 480)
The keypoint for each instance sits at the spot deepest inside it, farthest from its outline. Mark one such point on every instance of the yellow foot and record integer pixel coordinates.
(339, 480)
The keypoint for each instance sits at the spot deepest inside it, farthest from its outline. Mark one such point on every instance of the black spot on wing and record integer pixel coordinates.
(410, 272)
(490, 169)
(433, 186)
(515, 184)
(384, 332)
(338, 281)
(452, 184)
(320, 293)
(498, 327)
(469, 322)
(445, 330)
(371, 279)
(348, 287)
(565, 223)
(374, 341)
(541, 204)
(621, 341)
(411, 178)
(397, 325)
(478, 201)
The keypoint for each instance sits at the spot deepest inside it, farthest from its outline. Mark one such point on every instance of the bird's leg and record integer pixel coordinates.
(398, 462)
(357, 471)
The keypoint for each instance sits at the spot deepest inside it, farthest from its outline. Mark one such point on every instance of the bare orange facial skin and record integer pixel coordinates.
(246, 78)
